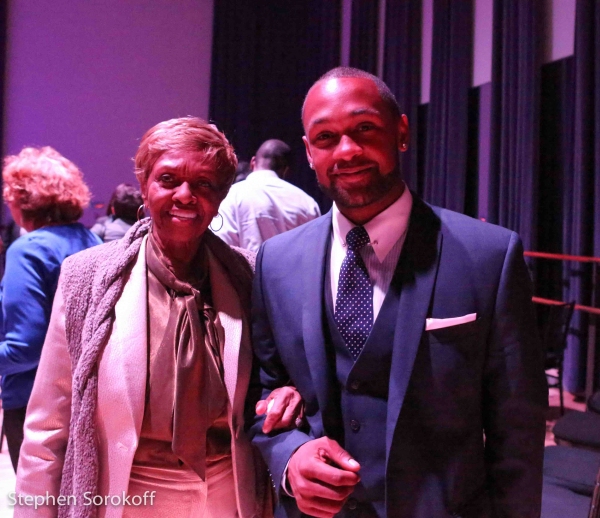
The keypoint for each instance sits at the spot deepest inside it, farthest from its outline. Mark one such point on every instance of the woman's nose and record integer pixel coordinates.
(183, 194)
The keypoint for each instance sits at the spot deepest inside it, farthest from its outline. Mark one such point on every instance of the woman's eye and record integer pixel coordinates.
(365, 127)
(166, 179)
(203, 184)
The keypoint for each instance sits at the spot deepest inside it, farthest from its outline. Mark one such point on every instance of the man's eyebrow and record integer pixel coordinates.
(316, 122)
(365, 111)
(353, 113)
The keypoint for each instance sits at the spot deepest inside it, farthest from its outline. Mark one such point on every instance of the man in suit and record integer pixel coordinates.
(407, 329)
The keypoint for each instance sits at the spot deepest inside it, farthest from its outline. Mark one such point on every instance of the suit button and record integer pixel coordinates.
(354, 425)
(352, 504)
(355, 385)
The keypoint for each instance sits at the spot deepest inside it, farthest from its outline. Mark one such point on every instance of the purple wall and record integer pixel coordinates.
(560, 29)
(89, 78)
(483, 23)
(426, 49)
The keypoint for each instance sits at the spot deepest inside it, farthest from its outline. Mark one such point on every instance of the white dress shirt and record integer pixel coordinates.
(262, 206)
(387, 232)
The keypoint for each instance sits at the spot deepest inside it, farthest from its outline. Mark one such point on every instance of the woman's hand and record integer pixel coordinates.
(284, 408)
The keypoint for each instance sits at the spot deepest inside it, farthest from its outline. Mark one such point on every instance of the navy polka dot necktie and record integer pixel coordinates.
(354, 302)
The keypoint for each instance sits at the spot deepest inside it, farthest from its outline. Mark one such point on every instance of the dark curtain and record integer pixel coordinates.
(555, 172)
(514, 119)
(448, 115)
(471, 185)
(266, 55)
(402, 72)
(364, 31)
(581, 228)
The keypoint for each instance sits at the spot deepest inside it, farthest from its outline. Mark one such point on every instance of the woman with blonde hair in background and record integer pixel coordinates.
(46, 196)
(148, 357)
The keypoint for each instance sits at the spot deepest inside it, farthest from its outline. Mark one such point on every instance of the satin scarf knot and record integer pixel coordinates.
(198, 385)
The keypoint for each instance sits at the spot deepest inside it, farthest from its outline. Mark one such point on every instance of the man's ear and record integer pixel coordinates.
(252, 163)
(308, 155)
(403, 133)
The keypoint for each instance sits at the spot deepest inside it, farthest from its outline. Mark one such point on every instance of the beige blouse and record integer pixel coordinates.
(179, 490)
(157, 427)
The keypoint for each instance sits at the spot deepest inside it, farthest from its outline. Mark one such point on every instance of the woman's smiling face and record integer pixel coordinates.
(183, 193)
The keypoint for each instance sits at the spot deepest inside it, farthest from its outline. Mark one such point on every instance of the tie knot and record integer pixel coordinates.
(357, 238)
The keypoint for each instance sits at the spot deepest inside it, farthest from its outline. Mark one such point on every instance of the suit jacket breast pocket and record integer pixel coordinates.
(454, 358)
(455, 333)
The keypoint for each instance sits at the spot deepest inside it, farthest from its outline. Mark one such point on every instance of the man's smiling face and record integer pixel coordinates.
(352, 140)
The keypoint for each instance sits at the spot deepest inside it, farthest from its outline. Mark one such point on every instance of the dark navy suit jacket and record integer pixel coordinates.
(466, 404)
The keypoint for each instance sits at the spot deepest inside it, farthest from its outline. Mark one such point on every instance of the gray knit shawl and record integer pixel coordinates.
(93, 281)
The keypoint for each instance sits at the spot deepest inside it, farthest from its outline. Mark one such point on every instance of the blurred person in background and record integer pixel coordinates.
(46, 196)
(265, 204)
(123, 207)
(242, 171)
(148, 357)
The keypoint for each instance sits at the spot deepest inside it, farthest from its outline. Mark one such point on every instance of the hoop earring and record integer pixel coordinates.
(222, 222)
(141, 212)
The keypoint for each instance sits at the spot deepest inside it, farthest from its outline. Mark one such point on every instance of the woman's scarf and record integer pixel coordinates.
(200, 394)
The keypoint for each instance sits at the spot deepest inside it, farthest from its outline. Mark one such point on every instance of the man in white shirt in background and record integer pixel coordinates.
(264, 204)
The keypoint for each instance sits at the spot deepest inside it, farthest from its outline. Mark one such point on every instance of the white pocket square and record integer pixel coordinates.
(440, 323)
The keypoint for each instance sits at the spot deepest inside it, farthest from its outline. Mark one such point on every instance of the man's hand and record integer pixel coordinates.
(322, 475)
(283, 407)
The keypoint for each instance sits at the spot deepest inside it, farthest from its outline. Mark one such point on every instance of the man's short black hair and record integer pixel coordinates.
(275, 155)
(384, 91)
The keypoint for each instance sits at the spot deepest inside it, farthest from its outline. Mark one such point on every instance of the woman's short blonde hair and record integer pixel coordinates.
(46, 186)
(185, 134)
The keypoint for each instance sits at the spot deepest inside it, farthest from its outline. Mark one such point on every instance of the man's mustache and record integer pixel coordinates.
(342, 166)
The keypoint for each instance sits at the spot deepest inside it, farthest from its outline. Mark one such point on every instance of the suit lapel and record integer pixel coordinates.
(415, 276)
(231, 283)
(236, 351)
(313, 278)
(127, 349)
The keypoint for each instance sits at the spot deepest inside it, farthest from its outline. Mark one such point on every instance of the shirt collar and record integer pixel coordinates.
(384, 229)
(262, 173)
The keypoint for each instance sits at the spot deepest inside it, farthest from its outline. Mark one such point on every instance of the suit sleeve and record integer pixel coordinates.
(515, 395)
(47, 422)
(268, 373)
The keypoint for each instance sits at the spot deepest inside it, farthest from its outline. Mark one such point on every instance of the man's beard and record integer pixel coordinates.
(357, 197)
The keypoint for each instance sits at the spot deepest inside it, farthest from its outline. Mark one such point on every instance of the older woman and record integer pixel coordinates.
(46, 196)
(138, 408)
